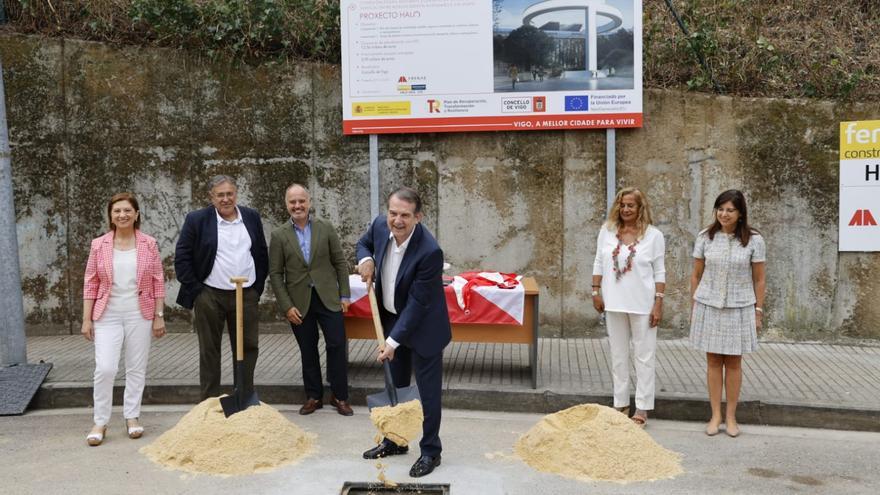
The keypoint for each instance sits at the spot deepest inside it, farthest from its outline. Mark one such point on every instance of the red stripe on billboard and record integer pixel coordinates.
(498, 123)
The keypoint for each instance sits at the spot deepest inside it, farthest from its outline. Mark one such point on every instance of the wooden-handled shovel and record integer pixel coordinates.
(391, 396)
(240, 399)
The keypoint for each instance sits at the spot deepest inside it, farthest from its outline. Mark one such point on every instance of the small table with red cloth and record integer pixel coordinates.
(483, 323)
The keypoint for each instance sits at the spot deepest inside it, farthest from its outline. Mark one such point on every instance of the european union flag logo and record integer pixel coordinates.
(577, 103)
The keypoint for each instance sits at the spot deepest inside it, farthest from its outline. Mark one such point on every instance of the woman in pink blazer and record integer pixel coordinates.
(123, 298)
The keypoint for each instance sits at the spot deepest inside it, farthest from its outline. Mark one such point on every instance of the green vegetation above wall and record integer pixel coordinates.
(781, 48)
(253, 30)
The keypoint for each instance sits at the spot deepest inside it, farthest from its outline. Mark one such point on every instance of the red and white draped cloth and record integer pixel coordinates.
(473, 297)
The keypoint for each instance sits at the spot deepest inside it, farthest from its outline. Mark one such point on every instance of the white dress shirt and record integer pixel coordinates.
(233, 257)
(393, 257)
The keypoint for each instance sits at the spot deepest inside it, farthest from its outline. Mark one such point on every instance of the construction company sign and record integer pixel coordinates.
(859, 186)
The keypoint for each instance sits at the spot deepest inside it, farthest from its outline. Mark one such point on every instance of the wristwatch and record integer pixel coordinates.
(160, 314)
(594, 293)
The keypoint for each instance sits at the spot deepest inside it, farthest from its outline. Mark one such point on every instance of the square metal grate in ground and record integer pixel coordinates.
(361, 488)
(18, 384)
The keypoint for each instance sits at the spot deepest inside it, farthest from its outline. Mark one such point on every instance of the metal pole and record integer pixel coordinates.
(12, 339)
(374, 176)
(610, 180)
(610, 168)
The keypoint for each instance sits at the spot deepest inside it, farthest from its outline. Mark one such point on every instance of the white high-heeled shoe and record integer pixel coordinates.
(96, 438)
(134, 431)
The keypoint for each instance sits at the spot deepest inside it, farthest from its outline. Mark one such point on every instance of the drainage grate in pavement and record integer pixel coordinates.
(361, 488)
(18, 384)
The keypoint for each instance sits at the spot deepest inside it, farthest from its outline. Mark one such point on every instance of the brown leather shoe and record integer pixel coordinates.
(342, 406)
(311, 406)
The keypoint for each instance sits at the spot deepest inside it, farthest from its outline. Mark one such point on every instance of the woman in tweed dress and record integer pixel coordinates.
(727, 288)
(123, 297)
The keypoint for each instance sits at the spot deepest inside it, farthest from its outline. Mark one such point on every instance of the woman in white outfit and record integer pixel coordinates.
(629, 279)
(123, 297)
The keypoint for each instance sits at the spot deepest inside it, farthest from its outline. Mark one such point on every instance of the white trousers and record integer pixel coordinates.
(623, 328)
(115, 330)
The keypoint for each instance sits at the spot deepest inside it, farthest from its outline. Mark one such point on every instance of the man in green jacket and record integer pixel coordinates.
(309, 275)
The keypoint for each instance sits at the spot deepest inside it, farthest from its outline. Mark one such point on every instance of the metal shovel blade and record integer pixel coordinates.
(236, 403)
(392, 396)
(404, 394)
(240, 399)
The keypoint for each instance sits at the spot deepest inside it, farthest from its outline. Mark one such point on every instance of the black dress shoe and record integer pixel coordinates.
(424, 465)
(384, 449)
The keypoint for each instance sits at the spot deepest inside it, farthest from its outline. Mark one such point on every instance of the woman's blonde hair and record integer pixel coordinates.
(642, 221)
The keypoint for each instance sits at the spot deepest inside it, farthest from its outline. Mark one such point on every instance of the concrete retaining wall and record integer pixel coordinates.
(87, 120)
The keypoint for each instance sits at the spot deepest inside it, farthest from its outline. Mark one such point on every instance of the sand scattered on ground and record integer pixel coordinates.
(384, 479)
(499, 455)
(592, 442)
(255, 440)
(400, 423)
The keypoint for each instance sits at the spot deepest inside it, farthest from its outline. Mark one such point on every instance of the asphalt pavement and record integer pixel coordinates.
(44, 452)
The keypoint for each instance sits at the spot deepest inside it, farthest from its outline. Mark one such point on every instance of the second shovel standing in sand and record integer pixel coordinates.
(240, 399)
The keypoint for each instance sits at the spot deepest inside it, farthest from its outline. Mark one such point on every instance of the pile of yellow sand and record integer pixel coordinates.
(257, 439)
(593, 442)
(400, 423)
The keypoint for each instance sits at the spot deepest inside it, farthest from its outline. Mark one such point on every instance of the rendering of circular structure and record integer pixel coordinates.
(592, 10)
(598, 7)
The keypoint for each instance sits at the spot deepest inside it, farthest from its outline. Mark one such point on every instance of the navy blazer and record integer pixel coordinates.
(422, 317)
(197, 248)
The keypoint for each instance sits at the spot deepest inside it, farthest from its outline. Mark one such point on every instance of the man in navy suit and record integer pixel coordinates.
(218, 242)
(407, 264)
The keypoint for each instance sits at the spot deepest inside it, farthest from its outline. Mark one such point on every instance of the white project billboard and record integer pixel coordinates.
(411, 66)
(859, 186)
